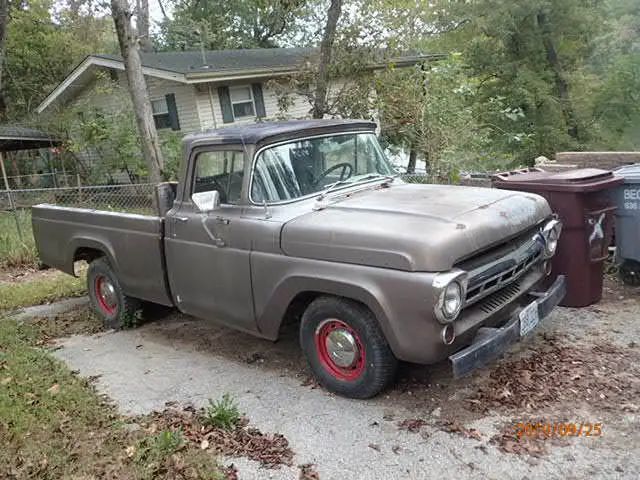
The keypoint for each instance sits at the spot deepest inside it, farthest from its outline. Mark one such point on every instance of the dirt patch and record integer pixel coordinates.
(602, 375)
(78, 321)
(271, 451)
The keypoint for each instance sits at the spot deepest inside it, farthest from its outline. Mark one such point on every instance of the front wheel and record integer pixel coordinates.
(116, 309)
(346, 348)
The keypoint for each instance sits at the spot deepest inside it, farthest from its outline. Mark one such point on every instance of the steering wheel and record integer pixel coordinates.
(346, 167)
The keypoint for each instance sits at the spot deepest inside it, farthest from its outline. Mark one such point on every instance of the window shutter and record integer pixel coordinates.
(225, 104)
(259, 100)
(173, 111)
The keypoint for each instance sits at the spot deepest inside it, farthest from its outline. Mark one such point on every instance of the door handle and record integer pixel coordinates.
(181, 219)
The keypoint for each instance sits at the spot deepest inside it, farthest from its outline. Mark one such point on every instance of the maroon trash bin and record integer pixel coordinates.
(581, 200)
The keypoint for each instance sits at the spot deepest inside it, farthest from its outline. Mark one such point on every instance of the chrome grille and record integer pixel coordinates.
(500, 298)
(493, 277)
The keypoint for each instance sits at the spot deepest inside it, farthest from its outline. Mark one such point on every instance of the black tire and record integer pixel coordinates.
(372, 372)
(630, 272)
(119, 310)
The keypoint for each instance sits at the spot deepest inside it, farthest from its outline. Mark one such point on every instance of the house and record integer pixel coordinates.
(194, 91)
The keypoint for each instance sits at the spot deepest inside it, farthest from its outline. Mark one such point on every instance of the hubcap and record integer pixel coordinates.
(106, 294)
(340, 350)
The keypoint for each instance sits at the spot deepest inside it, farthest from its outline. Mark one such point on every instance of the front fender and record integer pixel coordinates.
(399, 300)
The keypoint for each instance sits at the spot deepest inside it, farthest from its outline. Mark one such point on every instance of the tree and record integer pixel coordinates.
(328, 38)
(4, 20)
(138, 89)
(229, 24)
(142, 25)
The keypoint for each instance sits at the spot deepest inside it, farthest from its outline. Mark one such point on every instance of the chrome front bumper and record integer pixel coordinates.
(490, 343)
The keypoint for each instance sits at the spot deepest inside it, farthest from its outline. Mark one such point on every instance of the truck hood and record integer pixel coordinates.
(412, 227)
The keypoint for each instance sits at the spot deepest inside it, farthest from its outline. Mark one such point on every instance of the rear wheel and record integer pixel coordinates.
(107, 298)
(346, 348)
(630, 272)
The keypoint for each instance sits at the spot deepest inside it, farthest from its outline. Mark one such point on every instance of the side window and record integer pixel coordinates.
(220, 170)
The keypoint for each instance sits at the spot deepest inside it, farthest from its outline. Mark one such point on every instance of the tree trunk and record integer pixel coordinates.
(322, 81)
(413, 156)
(4, 24)
(561, 84)
(142, 24)
(138, 89)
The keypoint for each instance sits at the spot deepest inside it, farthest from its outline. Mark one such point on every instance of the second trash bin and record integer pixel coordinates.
(582, 201)
(627, 198)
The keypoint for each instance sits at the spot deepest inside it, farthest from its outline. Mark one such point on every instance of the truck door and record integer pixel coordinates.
(207, 261)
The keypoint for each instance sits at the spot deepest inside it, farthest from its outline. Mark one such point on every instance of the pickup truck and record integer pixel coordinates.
(306, 221)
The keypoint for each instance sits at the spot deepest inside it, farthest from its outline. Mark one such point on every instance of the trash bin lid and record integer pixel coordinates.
(579, 180)
(630, 173)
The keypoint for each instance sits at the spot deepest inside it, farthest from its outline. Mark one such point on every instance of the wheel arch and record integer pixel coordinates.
(291, 297)
(88, 249)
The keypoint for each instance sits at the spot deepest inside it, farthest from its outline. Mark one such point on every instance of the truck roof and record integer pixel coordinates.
(257, 132)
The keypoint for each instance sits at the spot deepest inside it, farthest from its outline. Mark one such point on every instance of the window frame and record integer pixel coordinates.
(193, 160)
(300, 139)
(163, 114)
(251, 100)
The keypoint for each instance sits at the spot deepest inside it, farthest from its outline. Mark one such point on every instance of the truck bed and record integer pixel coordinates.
(132, 242)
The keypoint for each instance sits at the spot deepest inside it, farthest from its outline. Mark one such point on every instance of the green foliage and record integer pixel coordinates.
(40, 52)
(228, 24)
(17, 247)
(222, 414)
(153, 449)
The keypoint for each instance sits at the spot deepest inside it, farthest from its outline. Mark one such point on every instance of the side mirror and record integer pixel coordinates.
(206, 201)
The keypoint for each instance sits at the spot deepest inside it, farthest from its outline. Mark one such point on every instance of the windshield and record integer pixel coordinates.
(303, 167)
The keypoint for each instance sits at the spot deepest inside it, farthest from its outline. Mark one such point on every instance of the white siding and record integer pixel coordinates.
(185, 101)
(207, 95)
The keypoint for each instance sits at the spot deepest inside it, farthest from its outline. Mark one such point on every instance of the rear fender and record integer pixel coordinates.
(77, 243)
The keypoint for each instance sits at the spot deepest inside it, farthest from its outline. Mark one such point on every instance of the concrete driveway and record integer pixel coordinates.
(183, 360)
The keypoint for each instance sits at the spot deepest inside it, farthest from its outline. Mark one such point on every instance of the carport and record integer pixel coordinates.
(14, 138)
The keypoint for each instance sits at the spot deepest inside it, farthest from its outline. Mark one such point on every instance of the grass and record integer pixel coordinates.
(54, 425)
(222, 414)
(41, 290)
(15, 252)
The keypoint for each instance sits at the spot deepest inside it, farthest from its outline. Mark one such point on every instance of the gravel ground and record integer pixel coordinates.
(179, 359)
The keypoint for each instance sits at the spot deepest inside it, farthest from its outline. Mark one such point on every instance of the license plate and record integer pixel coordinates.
(528, 318)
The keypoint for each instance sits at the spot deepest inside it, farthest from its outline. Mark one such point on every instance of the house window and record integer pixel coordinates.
(242, 102)
(160, 111)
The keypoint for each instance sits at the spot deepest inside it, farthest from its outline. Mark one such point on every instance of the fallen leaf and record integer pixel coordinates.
(130, 451)
(54, 389)
(204, 444)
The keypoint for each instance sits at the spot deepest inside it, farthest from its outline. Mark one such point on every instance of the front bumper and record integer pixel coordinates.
(490, 343)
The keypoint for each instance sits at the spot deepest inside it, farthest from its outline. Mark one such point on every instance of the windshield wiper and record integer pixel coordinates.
(331, 187)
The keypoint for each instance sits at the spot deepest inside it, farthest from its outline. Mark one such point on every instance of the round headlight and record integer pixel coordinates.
(452, 300)
(551, 243)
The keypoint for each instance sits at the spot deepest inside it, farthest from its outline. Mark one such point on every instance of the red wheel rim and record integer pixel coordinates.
(340, 350)
(105, 294)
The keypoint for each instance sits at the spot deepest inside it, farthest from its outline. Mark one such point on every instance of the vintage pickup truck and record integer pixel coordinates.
(305, 221)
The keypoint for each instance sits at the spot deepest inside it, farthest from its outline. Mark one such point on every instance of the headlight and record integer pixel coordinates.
(452, 287)
(452, 300)
(551, 234)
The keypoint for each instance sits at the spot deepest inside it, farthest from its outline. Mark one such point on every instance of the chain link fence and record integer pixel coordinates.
(134, 198)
